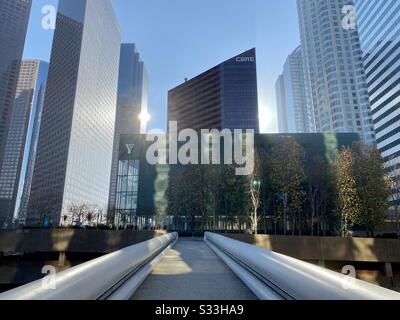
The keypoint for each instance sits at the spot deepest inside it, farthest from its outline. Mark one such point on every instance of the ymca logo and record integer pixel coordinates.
(130, 148)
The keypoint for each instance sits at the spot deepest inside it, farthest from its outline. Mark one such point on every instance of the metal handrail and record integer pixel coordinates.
(100, 278)
(293, 279)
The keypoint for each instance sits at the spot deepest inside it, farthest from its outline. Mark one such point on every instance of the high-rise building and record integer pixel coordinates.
(281, 104)
(293, 114)
(73, 163)
(132, 103)
(336, 88)
(14, 17)
(20, 152)
(224, 97)
(379, 29)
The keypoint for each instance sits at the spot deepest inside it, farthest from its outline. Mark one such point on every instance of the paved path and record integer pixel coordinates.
(191, 271)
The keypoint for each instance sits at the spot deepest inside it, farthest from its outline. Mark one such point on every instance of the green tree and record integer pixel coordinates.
(348, 201)
(320, 193)
(286, 162)
(373, 186)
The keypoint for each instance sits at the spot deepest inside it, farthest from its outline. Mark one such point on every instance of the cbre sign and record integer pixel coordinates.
(245, 59)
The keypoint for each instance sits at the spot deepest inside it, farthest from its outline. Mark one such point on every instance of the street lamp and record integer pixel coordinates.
(256, 183)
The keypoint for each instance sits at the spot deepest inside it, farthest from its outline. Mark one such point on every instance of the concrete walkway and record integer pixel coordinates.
(191, 271)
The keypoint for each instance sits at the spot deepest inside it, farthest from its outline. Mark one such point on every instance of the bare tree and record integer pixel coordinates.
(79, 213)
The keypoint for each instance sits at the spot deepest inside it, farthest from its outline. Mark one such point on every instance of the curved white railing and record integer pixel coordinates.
(114, 276)
(274, 276)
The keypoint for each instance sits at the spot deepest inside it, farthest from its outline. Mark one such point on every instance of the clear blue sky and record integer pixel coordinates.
(179, 39)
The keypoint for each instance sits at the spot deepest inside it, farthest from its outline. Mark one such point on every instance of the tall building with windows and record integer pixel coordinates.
(336, 88)
(132, 103)
(20, 152)
(281, 109)
(224, 97)
(379, 29)
(14, 17)
(293, 114)
(73, 163)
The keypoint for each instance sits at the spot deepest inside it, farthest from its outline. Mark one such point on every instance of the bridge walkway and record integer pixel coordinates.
(192, 271)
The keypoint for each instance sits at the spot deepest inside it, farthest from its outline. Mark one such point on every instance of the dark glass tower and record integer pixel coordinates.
(132, 102)
(224, 97)
(14, 17)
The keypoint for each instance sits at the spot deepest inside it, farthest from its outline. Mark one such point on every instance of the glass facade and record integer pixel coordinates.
(127, 192)
(293, 113)
(224, 97)
(379, 28)
(76, 139)
(20, 152)
(132, 101)
(14, 16)
(336, 87)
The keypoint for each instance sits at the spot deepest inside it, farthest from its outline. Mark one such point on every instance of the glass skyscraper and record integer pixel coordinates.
(73, 164)
(14, 17)
(20, 152)
(132, 102)
(379, 28)
(293, 114)
(224, 97)
(336, 88)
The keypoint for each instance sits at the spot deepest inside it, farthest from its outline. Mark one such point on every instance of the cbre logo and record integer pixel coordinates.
(245, 59)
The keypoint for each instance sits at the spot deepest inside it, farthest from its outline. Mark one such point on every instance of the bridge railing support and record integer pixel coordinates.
(113, 276)
(272, 276)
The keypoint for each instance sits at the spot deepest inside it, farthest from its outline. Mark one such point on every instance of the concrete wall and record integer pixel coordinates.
(61, 248)
(375, 260)
(328, 248)
(70, 240)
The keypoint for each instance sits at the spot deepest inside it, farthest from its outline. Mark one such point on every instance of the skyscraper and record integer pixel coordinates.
(224, 97)
(74, 155)
(336, 88)
(20, 152)
(379, 29)
(132, 102)
(293, 114)
(281, 104)
(14, 17)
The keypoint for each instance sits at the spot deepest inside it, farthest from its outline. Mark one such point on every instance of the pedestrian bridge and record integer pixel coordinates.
(213, 268)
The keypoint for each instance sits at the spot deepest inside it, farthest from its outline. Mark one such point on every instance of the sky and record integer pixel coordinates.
(180, 39)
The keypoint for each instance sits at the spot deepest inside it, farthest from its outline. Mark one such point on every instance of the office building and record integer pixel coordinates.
(14, 17)
(336, 88)
(73, 163)
(132, 103)
(20, 152)
(281, 104)
(379, 29)
(293, 114)
(224, 97)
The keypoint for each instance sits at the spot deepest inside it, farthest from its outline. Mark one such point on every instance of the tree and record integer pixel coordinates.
(348, 202)
(79, 213)
(254, 183)
(320, 188)
(373, 186)
(286, 162)
(394, 171)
